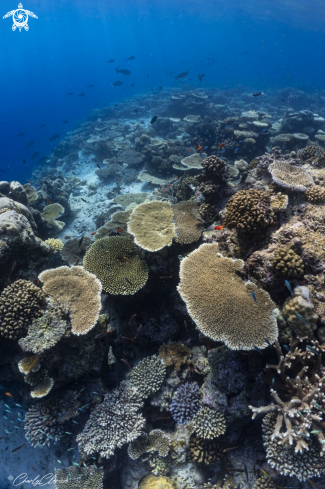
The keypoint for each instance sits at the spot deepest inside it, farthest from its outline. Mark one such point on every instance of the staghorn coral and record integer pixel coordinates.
(114, 422)
(264, 482)
(279, 202)
(153, 482)
(174, 354)
(301, 304)
(152, 225)
(56, 244)
(29, 364)
(148, 375)
(186, 402)
(20, 303)
(188, 226)
(205, 451)
(156, 440)
(249, 211)
(44, 332)
(208, 423)
(286, 262)
(290, 176)
(315, 194)
(210, 284)
(116, 264)
(79, 477)
(77, 290)
(40, 426)
(284, 458)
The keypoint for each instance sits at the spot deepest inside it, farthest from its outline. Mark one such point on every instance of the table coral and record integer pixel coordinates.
(290, 176)
(188, 226)
(116, 264)
(224, 307)
(148, 375)
(77, 290)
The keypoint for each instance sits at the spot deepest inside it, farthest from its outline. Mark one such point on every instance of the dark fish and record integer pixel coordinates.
(257, 94)
(98, 166)
(30, 144)
(101, 335)
(42, 125)
(111, 61)
(35, 154)
(131, 58)
(257, 349)
(81, 240)
(131, 84)
(124, 72)
(117, 84)
(272, 383)
(20, 134)
(24, 161)
(18, 448)
(135, 110)
(110, 271)
(84, 200)
(41, 160)
(81, 94)
(90, 86)
(70, 93)
(287, 347)
(55, 136)
(128, 281)
(126, 363)
(253, 295)
(200, 77)
(65, 122)
(287, 284)
(154, 119)
(161, 88)
(181, 75)
(267, 342)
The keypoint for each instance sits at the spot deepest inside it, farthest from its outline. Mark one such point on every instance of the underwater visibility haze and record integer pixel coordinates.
(162, 247)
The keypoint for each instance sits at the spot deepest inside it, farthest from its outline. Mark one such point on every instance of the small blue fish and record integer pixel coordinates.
(67, 432)
(5, 417)
(258, 349)
(110, 271)
(253, 295)
(287, 347)
(7, 406)
(59, 461)
(205, 147)
(237, 149)
(75, 463)
(287, 284)
(18, 405)
(75, 422)
(6, 431)
(268, 342)
(312, 349)
(272, 383)
(299, 316)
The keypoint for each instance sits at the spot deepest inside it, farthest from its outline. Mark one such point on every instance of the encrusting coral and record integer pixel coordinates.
(186, 402)
(79, 477)
(148, 375)
(174, 354)
(290, 176)
(300, 305)
(20, 303)
(209, 423)
(212, 289)
(116, 264)
(188, 226)
(156, 440)
(205, 451)
(279, 202)
(152, 225)
(77, 290)
(286, 262)
(249, 211)
(315, 194)
(153, 482)
(114, 422)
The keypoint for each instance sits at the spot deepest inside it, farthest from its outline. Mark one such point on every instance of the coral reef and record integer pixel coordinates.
(152, 225)
(77, 290)
(290, 176)
(315, 194)
(204, 451)
(286, 262)
(213, 178)
(76, 477)
(153, 482)
(209, 283)
(41, 428)
(156, 440)
(116, 264)
(209, 423)
(20, 303)
(73, 252)
(300, 305)
(114, 422)
(29, 364)
(279, 202)
(188, 226)
(148, 375)
(264, 482)
(56, 244)
(174, 354)
(186, 402)
(249, 211)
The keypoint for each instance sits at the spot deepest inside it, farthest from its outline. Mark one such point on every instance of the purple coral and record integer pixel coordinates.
(186, 402)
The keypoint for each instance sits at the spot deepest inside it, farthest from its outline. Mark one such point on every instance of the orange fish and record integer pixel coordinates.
(218, 227)
(127, 259)
(92, 234)
(120, 230)
(48, 200)
(221, 145)
(8, 394)
(199, 147)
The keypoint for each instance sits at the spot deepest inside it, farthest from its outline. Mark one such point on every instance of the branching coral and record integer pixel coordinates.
(209, 423)
(290, 176)
(156, 440)
(77, 290)
(249, 211)
(188, 226)
(186, 402)
(115, 262)
(148, 375)
(152, 225)
(224, 307)
(20, 303)
(205, 451)
(79, 477)
(56, 244)
(286, 262)
(41, 428)
(300, 305)
(113, 422)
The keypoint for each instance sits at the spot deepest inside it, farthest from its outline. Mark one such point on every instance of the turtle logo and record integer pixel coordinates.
(20, 18)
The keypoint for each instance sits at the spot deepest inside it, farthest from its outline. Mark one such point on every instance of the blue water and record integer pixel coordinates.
(257, 44)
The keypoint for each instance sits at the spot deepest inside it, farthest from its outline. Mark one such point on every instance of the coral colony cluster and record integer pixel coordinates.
(162, 316)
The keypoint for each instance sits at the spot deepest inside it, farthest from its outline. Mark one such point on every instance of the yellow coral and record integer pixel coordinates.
(152, 225)
(56, 244)
(153, 482)
(29, 364)
(43, 388)
(279, 202)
